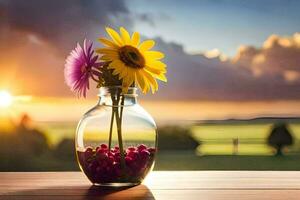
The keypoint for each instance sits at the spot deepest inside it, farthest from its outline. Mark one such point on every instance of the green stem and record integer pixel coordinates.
(111, 125)
(113, 100)
(122, 106)
(120, 140)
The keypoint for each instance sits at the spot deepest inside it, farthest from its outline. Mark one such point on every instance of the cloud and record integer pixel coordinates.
(278, 57)
(198, 77)
(61, 22)
(35, 37)
(150, 18)
(145, 17)
(216, 53)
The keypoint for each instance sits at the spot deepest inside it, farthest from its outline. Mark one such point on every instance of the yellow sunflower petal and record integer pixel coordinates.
(117, 64)
(124, 72)
(147, 83)
(110, 67)
(129, 78)
(117, 68)
(135, 39)
(157, 66)
(115, 72)
(146, 45)
(154, 55)
(153, 70)
(131, 75)
(161, 77)
(107, 43)
(114, 36)
(107, 51)
(153, 83)
(125, 81)
(109, 57)
(141, 81)
(125, 36)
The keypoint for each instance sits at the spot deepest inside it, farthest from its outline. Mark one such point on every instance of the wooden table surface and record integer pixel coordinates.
(171, 185)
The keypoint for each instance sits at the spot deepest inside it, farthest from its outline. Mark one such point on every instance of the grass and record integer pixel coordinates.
(225, 132)
(227, 149)
(216, 150)
(218, 138)
(241, 131)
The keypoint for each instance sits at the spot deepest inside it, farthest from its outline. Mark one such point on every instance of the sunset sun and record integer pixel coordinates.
(5, 98)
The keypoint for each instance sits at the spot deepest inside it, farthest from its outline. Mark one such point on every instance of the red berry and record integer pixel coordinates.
(144, 154)
(117, 157)
(117, 148)
(89, 149)
(101, 151)
(131, 149)
(99, 170)
(103, 163)
(88, 152)
(113, 151)
(133, 154)
(92, 167)
(107, 168)
(117, 169)
(110, 153)
(101, 155)
(142, 147)
(111, 159)
(152, 150)
(128, 160)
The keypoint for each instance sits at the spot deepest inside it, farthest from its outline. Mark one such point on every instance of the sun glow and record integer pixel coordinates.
(5, 99)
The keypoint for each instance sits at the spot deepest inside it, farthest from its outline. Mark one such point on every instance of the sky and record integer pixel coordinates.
(216, 50)
(224, 24)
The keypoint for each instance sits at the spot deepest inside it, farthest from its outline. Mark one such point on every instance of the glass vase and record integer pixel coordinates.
(116, 140)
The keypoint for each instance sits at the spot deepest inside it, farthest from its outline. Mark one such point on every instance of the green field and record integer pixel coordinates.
(214, 153)
(218, 138)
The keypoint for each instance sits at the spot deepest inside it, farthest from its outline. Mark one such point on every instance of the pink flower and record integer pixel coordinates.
(81, 65)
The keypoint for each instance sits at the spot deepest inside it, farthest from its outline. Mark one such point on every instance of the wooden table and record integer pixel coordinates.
(202, 185)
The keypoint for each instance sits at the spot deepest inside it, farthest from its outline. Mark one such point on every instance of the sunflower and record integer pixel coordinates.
(132, 60)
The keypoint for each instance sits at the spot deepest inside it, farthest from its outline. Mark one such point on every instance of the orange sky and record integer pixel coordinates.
(71, 109)
(267, 71)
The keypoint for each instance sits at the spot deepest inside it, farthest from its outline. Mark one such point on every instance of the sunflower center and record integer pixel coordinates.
(132, 57)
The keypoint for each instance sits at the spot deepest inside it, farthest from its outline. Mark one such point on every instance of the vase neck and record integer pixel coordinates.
(113, 96)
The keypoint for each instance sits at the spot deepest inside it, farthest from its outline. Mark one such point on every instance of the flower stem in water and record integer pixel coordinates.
(119, 129)
(111, 128)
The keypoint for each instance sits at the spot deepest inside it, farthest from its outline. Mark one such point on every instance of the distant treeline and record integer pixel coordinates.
(258, 120)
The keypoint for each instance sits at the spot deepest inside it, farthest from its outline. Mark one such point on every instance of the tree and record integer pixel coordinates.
(279, 137)
(65, 150)
(176, 138)
(32, 139)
